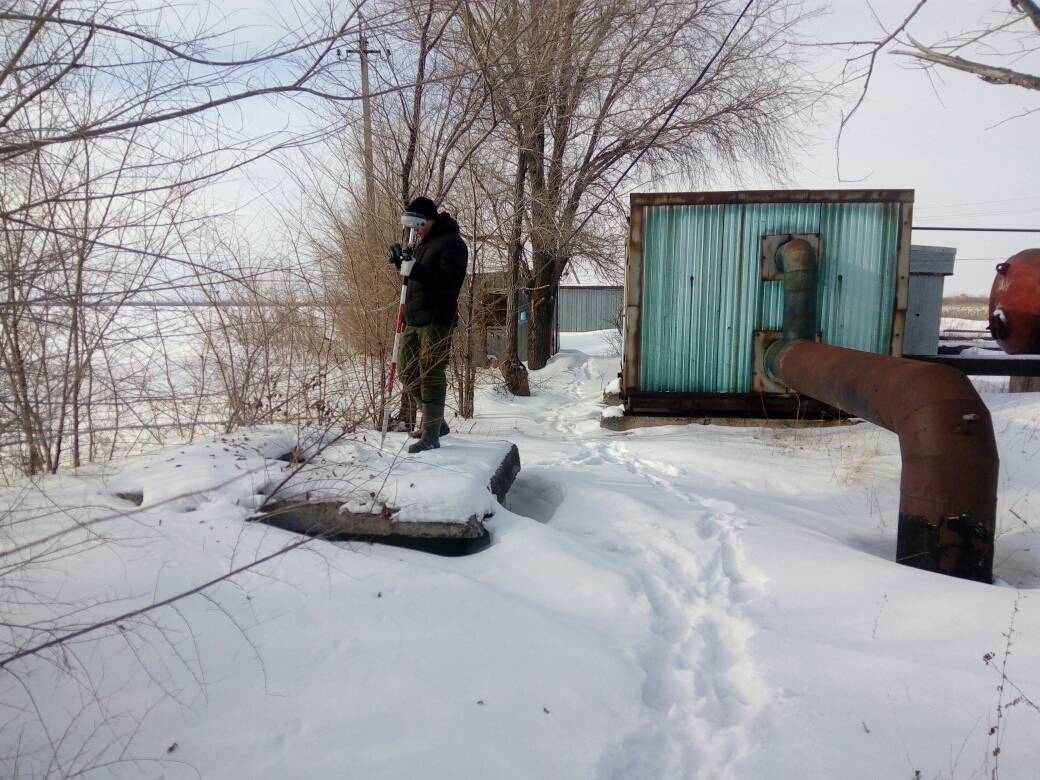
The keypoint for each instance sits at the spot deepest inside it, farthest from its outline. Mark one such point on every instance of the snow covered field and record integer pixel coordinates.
(672, 602)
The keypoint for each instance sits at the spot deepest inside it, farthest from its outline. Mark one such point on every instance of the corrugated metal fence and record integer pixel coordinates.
(582, 309)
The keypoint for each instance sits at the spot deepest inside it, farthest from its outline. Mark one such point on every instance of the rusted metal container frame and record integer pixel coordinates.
(765, 405)
(743, 404)
(753, 197)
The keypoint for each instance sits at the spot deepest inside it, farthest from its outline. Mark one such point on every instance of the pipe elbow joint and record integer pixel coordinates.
(796, 255)
(948, 486)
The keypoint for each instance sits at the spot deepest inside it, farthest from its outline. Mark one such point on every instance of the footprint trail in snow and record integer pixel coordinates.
(683, 554)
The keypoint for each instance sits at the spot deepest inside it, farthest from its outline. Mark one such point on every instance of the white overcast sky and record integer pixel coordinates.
(954, 141)
(952, 138)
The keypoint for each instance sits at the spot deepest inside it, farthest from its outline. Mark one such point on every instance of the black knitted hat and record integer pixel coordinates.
(423, 206)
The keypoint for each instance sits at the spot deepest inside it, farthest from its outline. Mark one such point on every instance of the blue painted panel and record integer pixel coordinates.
(703, 296)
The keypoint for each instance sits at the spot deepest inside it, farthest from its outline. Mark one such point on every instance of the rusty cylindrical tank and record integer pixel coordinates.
(1014, 304)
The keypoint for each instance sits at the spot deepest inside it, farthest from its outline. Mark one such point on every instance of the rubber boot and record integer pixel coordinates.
(416, 432)
(433, 416)
(445, 430)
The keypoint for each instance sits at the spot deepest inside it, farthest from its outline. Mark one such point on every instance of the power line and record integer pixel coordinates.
(981, 214)
(977, 203)
(661, 129)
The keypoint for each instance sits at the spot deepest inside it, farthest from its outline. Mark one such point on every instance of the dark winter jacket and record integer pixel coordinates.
(438, 274)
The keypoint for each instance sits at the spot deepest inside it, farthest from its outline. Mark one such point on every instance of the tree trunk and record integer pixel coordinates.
(513, 371)
(545, 262)
(413, 123)
(467, 407)
(541, 305)
(15, 369)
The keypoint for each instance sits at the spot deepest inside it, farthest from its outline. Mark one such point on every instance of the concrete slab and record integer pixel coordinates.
(347, 493)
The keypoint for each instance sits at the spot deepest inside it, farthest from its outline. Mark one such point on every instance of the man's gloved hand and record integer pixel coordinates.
(407, 264)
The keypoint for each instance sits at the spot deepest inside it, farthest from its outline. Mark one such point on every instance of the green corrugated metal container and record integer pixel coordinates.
(700, 307)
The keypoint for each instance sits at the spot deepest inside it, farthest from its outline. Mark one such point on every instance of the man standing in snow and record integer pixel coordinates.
(435, 270)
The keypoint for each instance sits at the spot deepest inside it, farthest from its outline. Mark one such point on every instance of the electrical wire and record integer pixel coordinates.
(976, 203)
(661, 129)
(981, 214)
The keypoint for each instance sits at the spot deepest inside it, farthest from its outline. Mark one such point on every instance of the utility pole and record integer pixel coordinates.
(366, 117)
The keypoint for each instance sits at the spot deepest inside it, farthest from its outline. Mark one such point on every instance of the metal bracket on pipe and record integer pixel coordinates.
(761, 380)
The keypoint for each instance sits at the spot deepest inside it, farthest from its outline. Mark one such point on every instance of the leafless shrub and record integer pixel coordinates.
(356, 288)
(106, 113)
(1009, 696)
(614, 334)
(271, 357)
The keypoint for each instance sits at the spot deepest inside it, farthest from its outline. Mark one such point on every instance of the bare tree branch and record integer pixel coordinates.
(71, 635)
(876, 48)
(988, 73)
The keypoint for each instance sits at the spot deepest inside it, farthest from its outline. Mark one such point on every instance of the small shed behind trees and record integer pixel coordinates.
(589, 307)
(579, 309)
(704, 299)
(489, 342)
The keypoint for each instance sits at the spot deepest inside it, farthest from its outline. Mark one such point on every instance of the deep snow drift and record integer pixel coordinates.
(673, 602)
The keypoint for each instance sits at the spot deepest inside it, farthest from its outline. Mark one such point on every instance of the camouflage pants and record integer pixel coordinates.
(425, 351)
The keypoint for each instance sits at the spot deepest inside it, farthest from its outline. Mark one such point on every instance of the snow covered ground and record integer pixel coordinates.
(672, 602)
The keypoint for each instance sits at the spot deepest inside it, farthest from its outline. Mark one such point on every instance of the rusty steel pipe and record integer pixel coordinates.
(948, 485)
(797, 259)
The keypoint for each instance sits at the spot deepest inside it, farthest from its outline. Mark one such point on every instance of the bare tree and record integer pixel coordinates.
(587, 86)
(112, 116)
(1008, 34)
(514, 373)
(64, 282)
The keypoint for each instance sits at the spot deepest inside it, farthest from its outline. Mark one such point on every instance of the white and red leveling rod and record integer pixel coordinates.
(393, 360)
